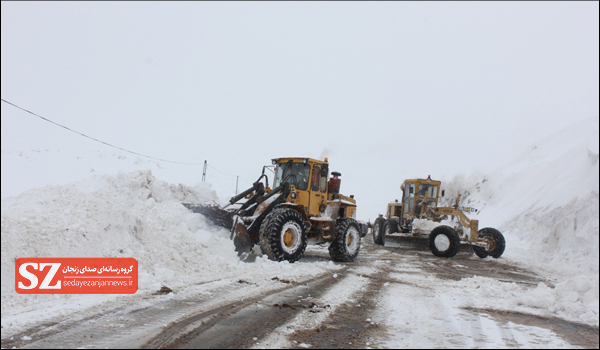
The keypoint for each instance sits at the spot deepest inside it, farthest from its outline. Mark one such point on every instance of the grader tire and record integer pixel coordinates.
(346, 244)
(498, 243)
(444, 241)
(378, 234)
(283, 235)
(390, 226)
(480, 252)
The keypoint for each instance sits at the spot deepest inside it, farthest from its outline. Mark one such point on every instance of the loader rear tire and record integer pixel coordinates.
(378, 234)
(283, 235)
(496, 240)
(346, 244)
(444, 241)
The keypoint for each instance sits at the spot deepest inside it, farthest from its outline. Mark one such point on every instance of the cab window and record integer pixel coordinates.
(315, 178)
(432, 191)
(324, 173)
(409, 190)
(427, 190)
(293, 173)
(409, 194)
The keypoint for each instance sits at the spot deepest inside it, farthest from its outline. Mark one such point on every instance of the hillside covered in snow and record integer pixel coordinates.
(545, 202)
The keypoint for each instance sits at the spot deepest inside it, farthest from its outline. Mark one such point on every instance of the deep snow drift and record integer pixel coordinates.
(128, 215)
(545, 203)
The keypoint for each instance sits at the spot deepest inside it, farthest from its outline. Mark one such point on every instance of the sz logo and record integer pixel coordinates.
(33, 278)
(76, 276)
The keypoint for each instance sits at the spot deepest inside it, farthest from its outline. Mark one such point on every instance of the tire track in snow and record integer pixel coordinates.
(347, 324)
(112, 322)
(131, 324)
(242, 323)
(427, 299)
(577, 334)
(267, 320)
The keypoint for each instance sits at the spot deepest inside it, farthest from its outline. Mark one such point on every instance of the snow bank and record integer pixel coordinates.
(129, 215)
(545, 202)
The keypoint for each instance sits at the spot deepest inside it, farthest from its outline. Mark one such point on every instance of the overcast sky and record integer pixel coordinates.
(386, 90)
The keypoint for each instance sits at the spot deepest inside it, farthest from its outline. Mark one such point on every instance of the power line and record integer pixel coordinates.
(222, 172)
(91, 138)
(123, 149)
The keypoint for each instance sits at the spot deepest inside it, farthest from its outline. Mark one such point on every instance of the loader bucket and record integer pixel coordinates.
(241, 240)
(214, 213)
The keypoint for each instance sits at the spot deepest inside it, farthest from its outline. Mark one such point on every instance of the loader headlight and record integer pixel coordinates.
(293, 195)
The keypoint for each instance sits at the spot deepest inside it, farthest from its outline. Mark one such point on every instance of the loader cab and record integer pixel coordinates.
(308, 178)
(418, 192)
(296, 174)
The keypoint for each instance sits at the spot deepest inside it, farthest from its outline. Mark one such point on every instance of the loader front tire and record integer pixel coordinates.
(378, 234)
(283, 235)
(346, 244)
(495, 240)
(444, 241)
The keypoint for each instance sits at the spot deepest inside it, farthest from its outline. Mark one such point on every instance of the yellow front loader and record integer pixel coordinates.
(303, 203)
(420, 199)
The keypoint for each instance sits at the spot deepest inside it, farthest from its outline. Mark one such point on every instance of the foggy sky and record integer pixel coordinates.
(385, 90)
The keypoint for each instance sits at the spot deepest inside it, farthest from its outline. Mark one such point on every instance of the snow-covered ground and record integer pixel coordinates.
(545, 203)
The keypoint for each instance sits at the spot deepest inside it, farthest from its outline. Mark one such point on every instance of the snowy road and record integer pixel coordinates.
(395, 296)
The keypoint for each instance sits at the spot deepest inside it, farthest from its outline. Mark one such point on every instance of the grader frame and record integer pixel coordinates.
(420, 201)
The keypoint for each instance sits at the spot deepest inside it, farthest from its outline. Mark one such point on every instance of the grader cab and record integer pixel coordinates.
(420, 198)
(303, 203)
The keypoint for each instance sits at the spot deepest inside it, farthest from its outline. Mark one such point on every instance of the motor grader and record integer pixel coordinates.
(303, 204)
(420, 201)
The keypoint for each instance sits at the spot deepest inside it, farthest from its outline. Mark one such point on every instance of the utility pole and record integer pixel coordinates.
(204, 171)
(236, 184)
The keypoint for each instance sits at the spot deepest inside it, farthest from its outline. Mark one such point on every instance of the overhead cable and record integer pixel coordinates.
(91, 138)
(108, 144)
